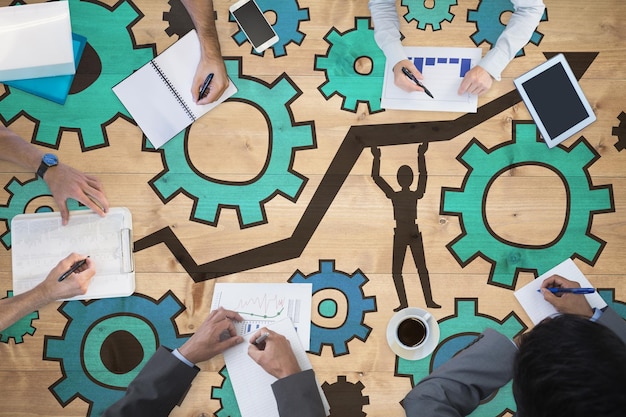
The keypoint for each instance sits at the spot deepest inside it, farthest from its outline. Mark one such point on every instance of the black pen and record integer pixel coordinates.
(416, 81)
(205, 85)
(73, 269)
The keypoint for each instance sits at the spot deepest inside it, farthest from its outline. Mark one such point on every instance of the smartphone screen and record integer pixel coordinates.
(253, 23)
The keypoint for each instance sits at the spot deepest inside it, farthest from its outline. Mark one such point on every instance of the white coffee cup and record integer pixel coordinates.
(412, 331)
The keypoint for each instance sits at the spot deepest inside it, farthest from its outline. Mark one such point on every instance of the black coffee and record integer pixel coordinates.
(411, 332)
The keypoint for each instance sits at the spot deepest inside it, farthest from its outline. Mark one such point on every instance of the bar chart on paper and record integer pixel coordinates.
(262, 304)
(443, 70)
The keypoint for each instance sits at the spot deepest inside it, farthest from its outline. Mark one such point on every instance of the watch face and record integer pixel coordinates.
(50, 159)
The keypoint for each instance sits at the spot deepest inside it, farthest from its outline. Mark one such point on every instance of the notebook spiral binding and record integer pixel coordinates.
(174, 92)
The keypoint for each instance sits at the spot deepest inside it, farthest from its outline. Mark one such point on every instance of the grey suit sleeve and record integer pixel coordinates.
(157, 389)
(457, 387)
(298, 395)
(613, 321)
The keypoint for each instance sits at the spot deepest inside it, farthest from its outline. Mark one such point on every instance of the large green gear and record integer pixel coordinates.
(20, 328)
(248, 198)
(508, 258)
(89, 111)
(226, 396)
(457, 332)
(432, 16)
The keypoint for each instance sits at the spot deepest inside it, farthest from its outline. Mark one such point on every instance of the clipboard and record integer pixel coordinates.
(39, 241)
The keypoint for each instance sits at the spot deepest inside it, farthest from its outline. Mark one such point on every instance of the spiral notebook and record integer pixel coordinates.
(158, 95)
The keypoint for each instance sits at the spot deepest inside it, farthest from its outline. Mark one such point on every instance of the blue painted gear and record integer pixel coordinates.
(488, 24)
(89, 111)
(508, 258)
(226, 396)
(457, 332)
(339, 67)
(358, 304)
(289, 15)
(620, 132)
(20, 196)
(90, 325)
(20, 328)
(608, 295)
(248, 198)
(424, 16)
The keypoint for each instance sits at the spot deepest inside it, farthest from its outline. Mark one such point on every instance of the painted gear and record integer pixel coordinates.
(488, 24)
(180, 22)
(424, 16)
(339, 67)
(21, 196)
(508, 258)
(608, 295)
(357, 305)
(457, 332)
(20, 328)
(226, 396)
(95, 324)
(89, 111)
(247, 198)
(345, 398)
(620, 132)
(289, 15)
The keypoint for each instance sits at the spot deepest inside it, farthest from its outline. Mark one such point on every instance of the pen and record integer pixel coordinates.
(205, 85)
(260, 342)
(557, 290)
(73, 269)
(416, 81)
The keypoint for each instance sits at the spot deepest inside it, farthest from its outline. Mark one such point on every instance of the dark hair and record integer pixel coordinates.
(571, 367)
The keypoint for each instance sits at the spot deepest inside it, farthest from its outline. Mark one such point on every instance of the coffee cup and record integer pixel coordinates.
(412, 331)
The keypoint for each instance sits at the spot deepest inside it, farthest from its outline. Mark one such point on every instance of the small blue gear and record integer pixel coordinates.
(20, 196)
(338, 65)
(488, 24)
(620, 132)
(20, 328)
(424, 16)
(608, 295)
(248, 198)
(357, 305)
(289, 15)
(90, 326)
(89, 111)
(457, 332)
(226, 396)
(508, 258)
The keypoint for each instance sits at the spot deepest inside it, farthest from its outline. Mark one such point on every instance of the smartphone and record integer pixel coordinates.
(254, 25)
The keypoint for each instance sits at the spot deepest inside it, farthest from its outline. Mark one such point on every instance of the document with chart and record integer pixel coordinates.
(261, 304)
(443, 70)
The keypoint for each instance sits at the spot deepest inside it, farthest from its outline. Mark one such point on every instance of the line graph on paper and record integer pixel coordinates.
(262, 304)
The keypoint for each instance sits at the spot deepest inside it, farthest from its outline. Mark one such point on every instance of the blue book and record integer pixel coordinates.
(53, 88)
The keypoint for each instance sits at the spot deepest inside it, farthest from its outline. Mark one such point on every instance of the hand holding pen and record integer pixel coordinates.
(273, 353)
(71, 277)
(412, 77)
(565, 296)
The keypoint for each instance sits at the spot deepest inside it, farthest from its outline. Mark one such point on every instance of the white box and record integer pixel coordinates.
(36, 41)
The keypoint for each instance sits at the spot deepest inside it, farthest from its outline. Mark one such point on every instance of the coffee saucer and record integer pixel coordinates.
(416, 353)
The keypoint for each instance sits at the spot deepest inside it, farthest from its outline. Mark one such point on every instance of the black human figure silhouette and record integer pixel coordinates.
(406, 232)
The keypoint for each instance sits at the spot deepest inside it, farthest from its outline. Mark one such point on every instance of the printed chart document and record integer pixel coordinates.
(443, 70)
(265, 303)
(39, 241)
(537, 308)
(252, 385)
(158, 95)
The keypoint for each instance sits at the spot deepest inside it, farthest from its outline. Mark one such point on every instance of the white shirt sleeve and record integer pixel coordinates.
(387, 29)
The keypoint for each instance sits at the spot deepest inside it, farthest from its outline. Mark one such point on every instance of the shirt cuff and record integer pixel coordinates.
(180, 357)
(597, 313)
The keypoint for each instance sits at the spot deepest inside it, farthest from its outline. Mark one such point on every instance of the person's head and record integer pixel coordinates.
(405, 176)
(570, 366)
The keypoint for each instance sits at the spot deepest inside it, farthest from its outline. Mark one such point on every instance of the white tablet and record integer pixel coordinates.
(555, 100)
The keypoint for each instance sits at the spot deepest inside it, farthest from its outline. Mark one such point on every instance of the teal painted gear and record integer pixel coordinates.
(89, 111)
(20, 196)
(488, 24)
(433, 16)
(456, 333)
(289, 15)
(358, 304)
(93, 325)
(509, 258)
(277, 177)
(20, 328)
(226, 396)
(338, 64)
(608, 295)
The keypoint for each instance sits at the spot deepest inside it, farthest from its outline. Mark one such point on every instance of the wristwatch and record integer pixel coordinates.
(48, 160)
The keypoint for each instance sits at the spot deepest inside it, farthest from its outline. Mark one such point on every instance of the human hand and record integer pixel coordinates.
(219, 83)
(404, 82)
(276, 357)
(566, 303)
(476, 81)
(216, 334)
(66, 182)
(76, 284)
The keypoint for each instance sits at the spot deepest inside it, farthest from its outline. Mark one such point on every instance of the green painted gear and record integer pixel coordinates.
(226, 396)
(87, 112)
(456, 333)
(608, 295)
(278, 177)
(20, 328)
(339, 66)
(509, 258)
(433, 16)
